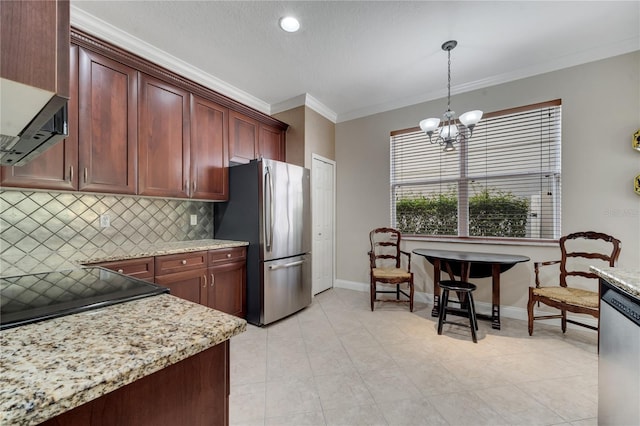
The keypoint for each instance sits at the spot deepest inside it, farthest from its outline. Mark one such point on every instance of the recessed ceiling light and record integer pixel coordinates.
(289, 24)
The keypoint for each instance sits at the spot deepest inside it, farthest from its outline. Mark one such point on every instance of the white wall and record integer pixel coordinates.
(600, 112)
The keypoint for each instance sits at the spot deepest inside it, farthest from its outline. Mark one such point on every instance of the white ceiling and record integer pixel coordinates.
(356, 58)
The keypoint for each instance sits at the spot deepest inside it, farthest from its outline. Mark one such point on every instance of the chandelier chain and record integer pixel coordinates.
(449, 82)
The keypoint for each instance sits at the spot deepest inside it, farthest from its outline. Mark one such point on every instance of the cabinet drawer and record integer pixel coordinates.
(227, 255)
(139, 268)
(171, 263)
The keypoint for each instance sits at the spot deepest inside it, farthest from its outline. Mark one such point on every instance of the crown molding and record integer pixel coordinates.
(578, 58)
(99, 28)
(92, 25)
(320, 108)
(308, 101)
(288, 104)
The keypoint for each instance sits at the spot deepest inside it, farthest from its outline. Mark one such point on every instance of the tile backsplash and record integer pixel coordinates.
(45, 222)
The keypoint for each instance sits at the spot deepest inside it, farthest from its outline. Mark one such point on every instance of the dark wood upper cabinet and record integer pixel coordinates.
(108, 134)
(56, 168)
(134, 127)
(250, 139)
(209, 150)
(271, 143)
(243, 138)
(163, 139)
(35, 44)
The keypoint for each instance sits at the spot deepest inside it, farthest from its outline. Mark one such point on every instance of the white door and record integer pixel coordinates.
(323, 213)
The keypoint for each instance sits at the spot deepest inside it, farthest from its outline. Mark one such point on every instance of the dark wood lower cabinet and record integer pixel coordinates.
(193, 392)
(226, 291)
(189, 285)
(228, 280)
(141, 268)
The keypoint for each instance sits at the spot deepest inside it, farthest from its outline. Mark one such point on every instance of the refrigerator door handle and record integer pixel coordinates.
(269, 209)
(286, 265)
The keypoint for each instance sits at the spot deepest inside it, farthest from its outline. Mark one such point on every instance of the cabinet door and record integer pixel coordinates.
(163, 139)
(56, 168)
(243, 138)
(108, 134)
(35, 44)
(189, 285)
(271, 143)
(227, 288)
(209, 150)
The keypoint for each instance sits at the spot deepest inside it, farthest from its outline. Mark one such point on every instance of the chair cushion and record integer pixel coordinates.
(569, 295)
(391, 273)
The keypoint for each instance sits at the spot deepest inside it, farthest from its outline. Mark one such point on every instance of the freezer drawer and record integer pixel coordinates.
(286, 287)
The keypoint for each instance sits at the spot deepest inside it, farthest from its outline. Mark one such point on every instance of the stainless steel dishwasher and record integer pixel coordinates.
(619, 358)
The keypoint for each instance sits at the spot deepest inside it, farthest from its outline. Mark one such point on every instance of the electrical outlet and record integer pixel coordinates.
(105, 221)
(193, 220)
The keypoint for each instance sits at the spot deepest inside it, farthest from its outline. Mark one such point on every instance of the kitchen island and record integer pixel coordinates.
(158, 360)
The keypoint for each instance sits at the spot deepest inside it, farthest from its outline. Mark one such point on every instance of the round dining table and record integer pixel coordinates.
(470, 264)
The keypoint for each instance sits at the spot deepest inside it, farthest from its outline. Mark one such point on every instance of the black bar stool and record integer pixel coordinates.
(462, 288)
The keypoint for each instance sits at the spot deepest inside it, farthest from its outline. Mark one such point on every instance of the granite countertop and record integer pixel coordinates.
(55, 261)
(158, 249)
(627, 279)
(56, 365)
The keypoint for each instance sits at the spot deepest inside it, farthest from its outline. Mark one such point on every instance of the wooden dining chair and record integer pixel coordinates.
(575, 262)
(387, 267)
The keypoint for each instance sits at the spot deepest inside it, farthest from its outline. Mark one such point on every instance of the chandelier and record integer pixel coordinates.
(449, 133)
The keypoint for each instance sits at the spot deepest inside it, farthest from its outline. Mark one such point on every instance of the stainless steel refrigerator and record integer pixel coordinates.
(269, 206)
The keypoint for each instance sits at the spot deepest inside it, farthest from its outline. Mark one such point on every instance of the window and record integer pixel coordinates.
(503, 183)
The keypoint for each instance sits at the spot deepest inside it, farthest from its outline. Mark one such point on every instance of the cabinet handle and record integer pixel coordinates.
(228, 255)
(186, 186)
(86, 172)
(120, 271)
(184, 262)
(213, 280)
(194, 186)
(204, 285)
(70, 173)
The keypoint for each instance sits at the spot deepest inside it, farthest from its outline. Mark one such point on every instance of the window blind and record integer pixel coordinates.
(503, 182)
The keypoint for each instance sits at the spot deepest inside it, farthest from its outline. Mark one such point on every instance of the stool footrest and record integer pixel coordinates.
(456, 323)
(457, 311)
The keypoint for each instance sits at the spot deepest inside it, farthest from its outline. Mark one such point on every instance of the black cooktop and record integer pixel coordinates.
(26, 299)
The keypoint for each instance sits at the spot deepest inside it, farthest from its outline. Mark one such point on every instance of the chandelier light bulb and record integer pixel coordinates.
(429, 124)
(471, 118)
(449, 133)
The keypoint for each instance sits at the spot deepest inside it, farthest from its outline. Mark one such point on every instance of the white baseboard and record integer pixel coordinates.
(513, 312)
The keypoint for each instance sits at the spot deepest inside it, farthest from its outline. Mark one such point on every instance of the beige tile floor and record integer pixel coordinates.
(338, 363)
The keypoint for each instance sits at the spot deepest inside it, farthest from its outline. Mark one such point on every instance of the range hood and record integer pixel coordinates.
(31, 121)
